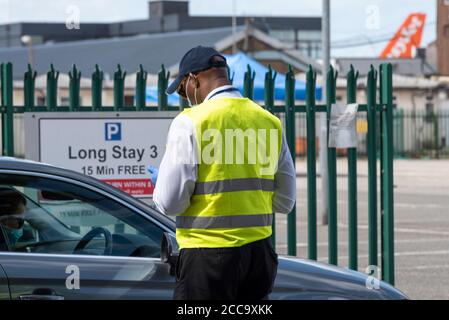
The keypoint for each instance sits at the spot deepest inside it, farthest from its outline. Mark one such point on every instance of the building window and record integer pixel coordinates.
(309, 35)
(310, 49)
(287, 37)
(308, 42)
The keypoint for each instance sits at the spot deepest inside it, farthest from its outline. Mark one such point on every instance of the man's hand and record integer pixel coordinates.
(153, 173)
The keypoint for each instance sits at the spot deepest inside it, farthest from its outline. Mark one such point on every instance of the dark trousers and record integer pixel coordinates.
(246, 272)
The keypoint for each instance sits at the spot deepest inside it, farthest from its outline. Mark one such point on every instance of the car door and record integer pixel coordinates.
(4, 289)
(64, 252)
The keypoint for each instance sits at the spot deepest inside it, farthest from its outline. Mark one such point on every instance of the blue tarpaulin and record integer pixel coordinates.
(151, 97)
(238, 64)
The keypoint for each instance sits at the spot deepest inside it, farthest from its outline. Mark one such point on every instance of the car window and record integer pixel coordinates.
(42, 215)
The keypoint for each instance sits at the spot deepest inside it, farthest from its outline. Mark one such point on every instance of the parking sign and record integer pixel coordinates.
(113, 147)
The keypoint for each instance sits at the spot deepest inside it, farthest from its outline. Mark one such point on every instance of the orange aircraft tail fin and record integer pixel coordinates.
(406, 39)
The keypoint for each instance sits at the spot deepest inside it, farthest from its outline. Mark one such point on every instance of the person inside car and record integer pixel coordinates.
(12, 211)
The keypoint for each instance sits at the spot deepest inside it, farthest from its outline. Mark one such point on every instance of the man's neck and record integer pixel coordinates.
(219, 91)
(217, 84)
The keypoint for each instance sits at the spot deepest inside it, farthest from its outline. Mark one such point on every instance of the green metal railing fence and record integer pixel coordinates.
(421, 133)
(378, 111)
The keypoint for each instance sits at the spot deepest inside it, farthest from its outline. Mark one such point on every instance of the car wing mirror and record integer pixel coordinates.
(169, 251)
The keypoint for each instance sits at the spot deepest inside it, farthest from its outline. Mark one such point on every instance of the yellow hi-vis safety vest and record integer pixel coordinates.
(239, 144)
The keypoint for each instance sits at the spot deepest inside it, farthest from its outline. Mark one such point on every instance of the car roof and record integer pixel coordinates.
(16, 164)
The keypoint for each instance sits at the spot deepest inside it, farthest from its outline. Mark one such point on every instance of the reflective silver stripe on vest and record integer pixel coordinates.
(230, 185)
(242, 221)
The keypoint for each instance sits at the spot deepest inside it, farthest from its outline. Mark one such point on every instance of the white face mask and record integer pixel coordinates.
(188, 99)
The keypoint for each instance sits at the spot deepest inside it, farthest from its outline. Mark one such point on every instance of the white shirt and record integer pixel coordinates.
(178, 169)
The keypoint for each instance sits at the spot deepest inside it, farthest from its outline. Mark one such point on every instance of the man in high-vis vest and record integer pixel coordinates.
(226, 170)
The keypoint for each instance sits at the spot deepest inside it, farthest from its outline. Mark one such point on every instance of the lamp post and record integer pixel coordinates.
(28, 41)
(325, 38)
(234, 27)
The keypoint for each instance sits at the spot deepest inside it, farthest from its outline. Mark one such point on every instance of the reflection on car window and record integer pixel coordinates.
(42, 215)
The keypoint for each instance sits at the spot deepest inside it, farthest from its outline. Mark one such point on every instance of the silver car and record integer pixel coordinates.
(84, 239)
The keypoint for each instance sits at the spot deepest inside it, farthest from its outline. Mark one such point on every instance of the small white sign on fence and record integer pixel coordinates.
(342, 126)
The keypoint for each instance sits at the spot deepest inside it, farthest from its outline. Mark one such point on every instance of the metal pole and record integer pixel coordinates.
(352, 179)
(386, 86)
(234, 27)
(372, 167)
(311, 163)
(290, 135)
(325, 37)
(30, 52)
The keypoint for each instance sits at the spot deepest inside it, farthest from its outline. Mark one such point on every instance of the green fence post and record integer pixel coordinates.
(230, 76)
(311, 163)
(290, 136)
(386, 87)
(401, 131)
(74, 89)
(141, 88)
(119, 88)
(436, 134)
(52, 88)
(331, 84)
(97, 88)
(270, 77)
(1, 84)
(381, 195)
(162, 84)
(28, 88)
(248, 83)
(372, 170)
(3, 113)
(352, 178)
(8, 116)
(183, 103)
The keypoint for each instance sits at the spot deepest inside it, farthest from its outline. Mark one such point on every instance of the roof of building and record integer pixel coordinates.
(58, 32)
(399, 82)
(151, 51)
(407, 67)
(279, 50)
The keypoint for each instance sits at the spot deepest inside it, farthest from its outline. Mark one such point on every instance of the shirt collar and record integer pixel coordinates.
(228, 86)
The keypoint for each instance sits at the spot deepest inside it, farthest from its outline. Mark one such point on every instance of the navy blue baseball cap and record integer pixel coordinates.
(195, 60)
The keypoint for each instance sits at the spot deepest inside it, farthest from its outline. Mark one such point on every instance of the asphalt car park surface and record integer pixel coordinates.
(421, 197)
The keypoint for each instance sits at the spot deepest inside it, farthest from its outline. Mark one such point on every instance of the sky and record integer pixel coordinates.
(352, 21)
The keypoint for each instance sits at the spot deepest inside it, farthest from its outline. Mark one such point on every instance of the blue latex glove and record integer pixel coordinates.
(153, 173)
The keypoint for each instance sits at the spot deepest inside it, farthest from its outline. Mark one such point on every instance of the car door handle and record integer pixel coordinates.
(42, 294)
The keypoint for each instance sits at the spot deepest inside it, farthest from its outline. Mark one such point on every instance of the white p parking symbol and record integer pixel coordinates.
(113, 131)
